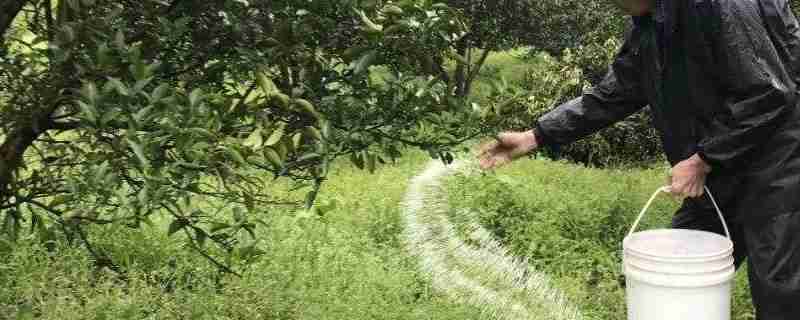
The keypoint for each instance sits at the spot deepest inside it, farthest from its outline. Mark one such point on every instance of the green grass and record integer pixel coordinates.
(349, 264)
(510, 65)
(569, 221)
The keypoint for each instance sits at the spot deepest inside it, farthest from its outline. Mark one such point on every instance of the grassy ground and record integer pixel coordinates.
(569, 222)
(347, 265)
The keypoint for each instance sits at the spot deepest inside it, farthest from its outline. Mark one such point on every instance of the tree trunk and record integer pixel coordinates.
(461, 71)
(16, 140)
(24, 132)
(8, 11)
(11, 152)
(465, 74)
(476, 69)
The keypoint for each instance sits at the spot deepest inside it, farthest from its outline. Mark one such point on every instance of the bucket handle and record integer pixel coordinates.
(668, 190)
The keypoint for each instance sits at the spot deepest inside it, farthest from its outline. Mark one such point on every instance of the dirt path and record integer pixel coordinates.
(476, 270)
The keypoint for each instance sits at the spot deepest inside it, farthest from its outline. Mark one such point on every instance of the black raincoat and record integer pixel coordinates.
(721, 78)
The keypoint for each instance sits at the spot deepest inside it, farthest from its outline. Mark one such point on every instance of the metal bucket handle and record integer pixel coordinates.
(669, 190)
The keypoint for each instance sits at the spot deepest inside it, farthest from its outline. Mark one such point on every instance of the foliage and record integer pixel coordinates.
(565, 24)
(118, 113)
(549, 82)
(551, 26)
(569, 221)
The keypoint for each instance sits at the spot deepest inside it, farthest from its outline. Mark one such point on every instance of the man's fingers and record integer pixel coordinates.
(684, 190)
(486, 163)
(698, 191)
(494, 161)
(501, 160)
(488, 148)
(679, 190)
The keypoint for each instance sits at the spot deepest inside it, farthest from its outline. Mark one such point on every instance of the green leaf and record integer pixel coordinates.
(311, 196)
(309, 156)
(271, 43)
(369, 25)
(276, 135)
(325, 129)
(119, 40)
(88, 111)
(60, 200)
(250, 252)
(140, 84)
(354, 52)
(117, 85)
(235, 155)
(313, 133)
(395, 28)
(296, 140)
(239, 215)
(108, 116)
(159, 92)
(190, 165)
(255, 141)
(138, 68)
(203, 133)
(142, 113)
(66, 34)
(195, 97)
(393, 10)
(89, 92)
(448, 158)
(139, 151)
(176, 226)
(201, 236)
(365, 62)
(371, 161)
(273, 157)
(266, 84)
(306, 106)
(357, 160)
(218, 226)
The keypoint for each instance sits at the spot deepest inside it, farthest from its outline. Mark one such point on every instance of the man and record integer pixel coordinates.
(721, 78)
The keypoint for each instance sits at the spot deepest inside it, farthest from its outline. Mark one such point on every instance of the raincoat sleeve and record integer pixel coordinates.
(758, 91)
(615, 98)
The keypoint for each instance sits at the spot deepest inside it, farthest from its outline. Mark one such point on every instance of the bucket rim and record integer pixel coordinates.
(692, 260)
(667, 270)
(725, 252)
(688, 281)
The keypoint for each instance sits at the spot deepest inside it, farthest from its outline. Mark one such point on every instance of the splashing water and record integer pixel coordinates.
(481, 273)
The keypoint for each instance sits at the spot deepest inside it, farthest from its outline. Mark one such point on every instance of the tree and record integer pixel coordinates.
(550, 26)
(569, 24)
(119, 112)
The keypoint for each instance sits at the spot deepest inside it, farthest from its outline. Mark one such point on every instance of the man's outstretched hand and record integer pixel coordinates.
(507, 147)
(688, 178)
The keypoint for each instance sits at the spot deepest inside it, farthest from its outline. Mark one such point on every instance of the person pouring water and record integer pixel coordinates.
(721, 79)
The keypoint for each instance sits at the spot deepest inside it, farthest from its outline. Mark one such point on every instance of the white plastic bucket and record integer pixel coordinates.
(678, 274)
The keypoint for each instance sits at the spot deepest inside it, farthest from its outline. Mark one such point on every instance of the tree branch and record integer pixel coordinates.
(474, 73)
(197, 248)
